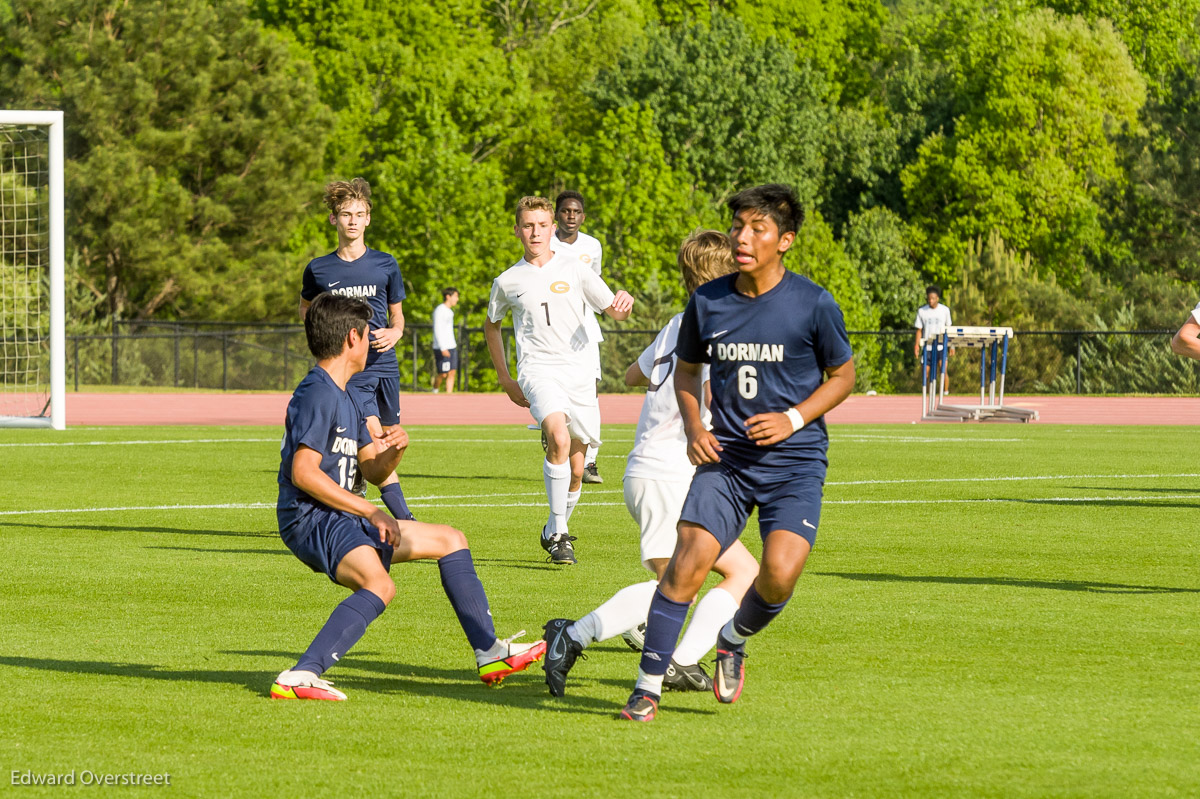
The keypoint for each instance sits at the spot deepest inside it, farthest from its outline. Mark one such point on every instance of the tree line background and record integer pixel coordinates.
(1038, 159)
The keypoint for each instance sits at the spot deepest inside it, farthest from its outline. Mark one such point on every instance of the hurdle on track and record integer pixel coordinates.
(992, 343)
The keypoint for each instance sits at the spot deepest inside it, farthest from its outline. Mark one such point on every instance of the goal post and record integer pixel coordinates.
(32, 287)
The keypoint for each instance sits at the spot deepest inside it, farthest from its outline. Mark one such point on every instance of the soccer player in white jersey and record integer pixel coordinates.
(568, 216)
(550, 292)
(657, 476)
(932, 320)
(1186, 341)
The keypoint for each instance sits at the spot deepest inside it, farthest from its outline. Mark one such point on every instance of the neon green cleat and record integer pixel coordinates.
(519, 658)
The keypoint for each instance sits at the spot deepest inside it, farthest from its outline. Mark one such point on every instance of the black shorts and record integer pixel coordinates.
(446, 363)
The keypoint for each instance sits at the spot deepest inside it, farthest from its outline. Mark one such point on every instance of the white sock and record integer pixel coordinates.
(558, 480)
(572, 501)
(625, 610)
(715, 609)
(731, 635)
(650, 683)
(590, 457)
(498, 650)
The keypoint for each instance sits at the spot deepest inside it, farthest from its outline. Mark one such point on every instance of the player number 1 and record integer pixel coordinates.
(546, 308)
(748, 382)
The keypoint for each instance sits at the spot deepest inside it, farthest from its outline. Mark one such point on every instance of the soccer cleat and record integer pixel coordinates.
(686, 678)
(730, 673)
(304, 685)
(559, 548)
(591, 475)
(359, 486)
(561, 652)
(519, 658)
(545, 443)
(636, 637)
(640, 707)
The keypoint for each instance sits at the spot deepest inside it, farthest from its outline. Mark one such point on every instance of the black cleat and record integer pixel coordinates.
(559, 548)
(730, 673)
(591, 475)
(640, 707)
(686, 678)
(561, 652)
(359, 486)
(635, 638)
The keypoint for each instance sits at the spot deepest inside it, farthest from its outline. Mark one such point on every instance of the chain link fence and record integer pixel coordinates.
(270, 357)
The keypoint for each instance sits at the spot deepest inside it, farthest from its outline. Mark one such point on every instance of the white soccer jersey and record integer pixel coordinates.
(443, 328)
(660, 444)
(591, 251)
(550, 306)
(1196, 313)
(932, 321)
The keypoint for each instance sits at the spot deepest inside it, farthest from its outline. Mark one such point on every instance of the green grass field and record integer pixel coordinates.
(990, 611)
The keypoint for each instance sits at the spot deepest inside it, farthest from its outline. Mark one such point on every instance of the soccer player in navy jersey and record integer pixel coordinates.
(779, 360)
(355, 270)
(331, 530)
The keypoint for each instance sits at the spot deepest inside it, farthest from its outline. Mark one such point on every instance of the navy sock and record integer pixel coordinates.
(393, 497)
(346, 625)
(755, 613)
(466, 594)
(663, 625)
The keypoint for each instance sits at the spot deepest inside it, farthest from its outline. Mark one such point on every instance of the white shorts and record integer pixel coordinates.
(655, 505)
(550, 391)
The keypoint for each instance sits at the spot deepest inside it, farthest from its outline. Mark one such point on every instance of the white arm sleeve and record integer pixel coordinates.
(498, 304)
(596, 292)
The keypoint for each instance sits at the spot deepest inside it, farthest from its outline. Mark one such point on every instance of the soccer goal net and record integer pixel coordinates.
(32, 340)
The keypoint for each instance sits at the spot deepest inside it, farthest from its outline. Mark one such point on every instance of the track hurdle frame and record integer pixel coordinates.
(992, 343)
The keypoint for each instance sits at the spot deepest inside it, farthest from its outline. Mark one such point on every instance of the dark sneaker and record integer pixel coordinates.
(640, 707)
(561, 652)
(635, 638)
(730, 673)
(359, 486)
(545, 443)
(686, 678)
(559, 548)
(591, 475)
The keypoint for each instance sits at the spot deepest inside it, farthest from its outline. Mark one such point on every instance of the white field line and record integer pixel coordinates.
(268, 505)
(986, 479)
(148, 441)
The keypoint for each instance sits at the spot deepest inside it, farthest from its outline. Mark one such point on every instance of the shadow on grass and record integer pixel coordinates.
(121, 528)
(1147, 490)
(1014, 582)
(225, 551)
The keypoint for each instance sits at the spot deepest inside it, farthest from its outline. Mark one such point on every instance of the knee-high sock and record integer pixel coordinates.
(572, 501)
(714, 610)
(625, 610)
(558, 481)
(466, 594)
(345, 626)
(393, 497)
(590, 457)
(752, 616)
(663, 623)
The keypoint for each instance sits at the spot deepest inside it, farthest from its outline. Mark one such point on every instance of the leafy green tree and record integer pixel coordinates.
(875, 245)
(191, 134)
(1029, 157)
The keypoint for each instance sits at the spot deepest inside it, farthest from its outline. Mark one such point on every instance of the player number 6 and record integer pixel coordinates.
(748, 382)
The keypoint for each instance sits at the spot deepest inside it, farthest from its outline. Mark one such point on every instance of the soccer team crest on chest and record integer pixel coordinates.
(560, 287)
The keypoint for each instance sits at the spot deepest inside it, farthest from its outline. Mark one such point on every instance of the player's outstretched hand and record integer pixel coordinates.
(389, 529)
(385, 338)
(703, 448)
(514, 392)
(622, 302)
(766, 429)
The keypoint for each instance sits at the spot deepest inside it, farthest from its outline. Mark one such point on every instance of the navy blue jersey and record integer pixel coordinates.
(768, 353)
(322, 417)
(373, 278)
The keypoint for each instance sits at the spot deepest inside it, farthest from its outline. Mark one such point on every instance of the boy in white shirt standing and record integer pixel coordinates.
(445, 348)
(932, 320)
(550, 292)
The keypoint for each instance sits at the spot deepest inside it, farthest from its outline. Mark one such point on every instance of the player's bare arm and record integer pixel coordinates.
(379, 459)
(690, 389)
(308, 477)
(1186, 341)
(491, 334)
(634, 376)
(304, 308)
(622, 306)
(386, 337)
(770, 428)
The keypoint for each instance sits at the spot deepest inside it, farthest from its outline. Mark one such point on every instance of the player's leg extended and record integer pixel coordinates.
(495, 658)
(362, 571)
(715, 609)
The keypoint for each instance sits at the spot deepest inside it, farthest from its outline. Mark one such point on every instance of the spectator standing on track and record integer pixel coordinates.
(445, 348)
(932, 320)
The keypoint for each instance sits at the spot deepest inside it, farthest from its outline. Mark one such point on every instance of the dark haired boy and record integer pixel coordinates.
(338, 533)
(779, 360)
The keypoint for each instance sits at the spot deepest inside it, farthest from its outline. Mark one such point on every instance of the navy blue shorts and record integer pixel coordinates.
(322, 537)
(446, 363)
(376, 395)
(722, 496)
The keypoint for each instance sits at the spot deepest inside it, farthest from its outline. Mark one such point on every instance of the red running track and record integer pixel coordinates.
(84, 410)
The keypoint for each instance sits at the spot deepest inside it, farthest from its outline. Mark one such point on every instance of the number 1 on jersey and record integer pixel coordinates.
(546, 308)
